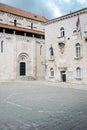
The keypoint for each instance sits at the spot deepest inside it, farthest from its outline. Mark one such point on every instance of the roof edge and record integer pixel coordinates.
(22, 13)
(67, 16)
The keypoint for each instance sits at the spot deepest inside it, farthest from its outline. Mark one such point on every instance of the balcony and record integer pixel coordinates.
(61, 41)
(61, 44)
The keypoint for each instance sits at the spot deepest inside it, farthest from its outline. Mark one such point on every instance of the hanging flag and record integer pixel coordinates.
(78, 27)
(78, 24)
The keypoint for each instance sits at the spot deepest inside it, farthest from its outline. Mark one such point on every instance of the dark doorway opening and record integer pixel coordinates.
(22, 68)
(63, 76)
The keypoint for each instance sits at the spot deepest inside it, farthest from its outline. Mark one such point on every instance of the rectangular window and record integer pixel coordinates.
(78, 54)
(78, 74)
(78, 50)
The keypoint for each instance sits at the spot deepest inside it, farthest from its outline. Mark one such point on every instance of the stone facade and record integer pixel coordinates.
(66, 36)
(22, 46)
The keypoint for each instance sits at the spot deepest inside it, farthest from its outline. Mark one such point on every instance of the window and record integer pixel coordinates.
(62, 33)
(40, 49)
(15, 22)
(75, 32)
(51, 72)
(78, 50)
(51, 51)
(2, 46)
(31, 25)
(78, 72)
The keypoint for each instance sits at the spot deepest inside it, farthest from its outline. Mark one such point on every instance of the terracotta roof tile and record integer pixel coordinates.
(19, 12)
(5, 26)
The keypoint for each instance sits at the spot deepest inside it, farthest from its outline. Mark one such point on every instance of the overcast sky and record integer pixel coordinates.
(48, 8)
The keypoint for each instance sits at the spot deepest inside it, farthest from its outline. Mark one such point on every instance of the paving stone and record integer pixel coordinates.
(42, 106)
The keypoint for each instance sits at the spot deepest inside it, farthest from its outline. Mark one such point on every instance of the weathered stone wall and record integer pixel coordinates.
(65, 58)
(18, 49)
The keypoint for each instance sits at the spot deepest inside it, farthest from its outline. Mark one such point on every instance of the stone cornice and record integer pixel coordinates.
(82, 11)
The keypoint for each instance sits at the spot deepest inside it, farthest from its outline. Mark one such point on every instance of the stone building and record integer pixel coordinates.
(66, 48)
(22, 44)
(32, 47)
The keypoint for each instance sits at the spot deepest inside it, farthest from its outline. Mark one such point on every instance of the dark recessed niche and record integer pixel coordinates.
(86, 39)
(1, 29)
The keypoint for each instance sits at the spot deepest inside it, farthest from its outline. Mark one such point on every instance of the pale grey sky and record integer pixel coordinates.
(48, 8)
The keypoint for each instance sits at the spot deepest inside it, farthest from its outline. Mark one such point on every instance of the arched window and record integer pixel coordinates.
(51, 72)
(78, 72)
(62, 32)
(78, 50)
(74, 32)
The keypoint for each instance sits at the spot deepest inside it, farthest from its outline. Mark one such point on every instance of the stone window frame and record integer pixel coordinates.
(62, 32)
(78, 50)
(78, 73)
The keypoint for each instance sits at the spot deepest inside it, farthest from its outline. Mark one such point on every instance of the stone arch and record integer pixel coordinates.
(23, 64)
(23, 56)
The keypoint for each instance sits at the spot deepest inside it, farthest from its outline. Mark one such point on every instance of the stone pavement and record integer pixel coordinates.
(39, 105)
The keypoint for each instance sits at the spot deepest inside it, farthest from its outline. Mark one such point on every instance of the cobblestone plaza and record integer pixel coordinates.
(38, 105)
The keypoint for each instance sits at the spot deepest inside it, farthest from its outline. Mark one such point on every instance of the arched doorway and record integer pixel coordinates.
(23, 64)
(22, 68)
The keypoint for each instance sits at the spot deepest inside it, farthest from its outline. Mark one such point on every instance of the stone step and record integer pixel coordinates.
(26, 78)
